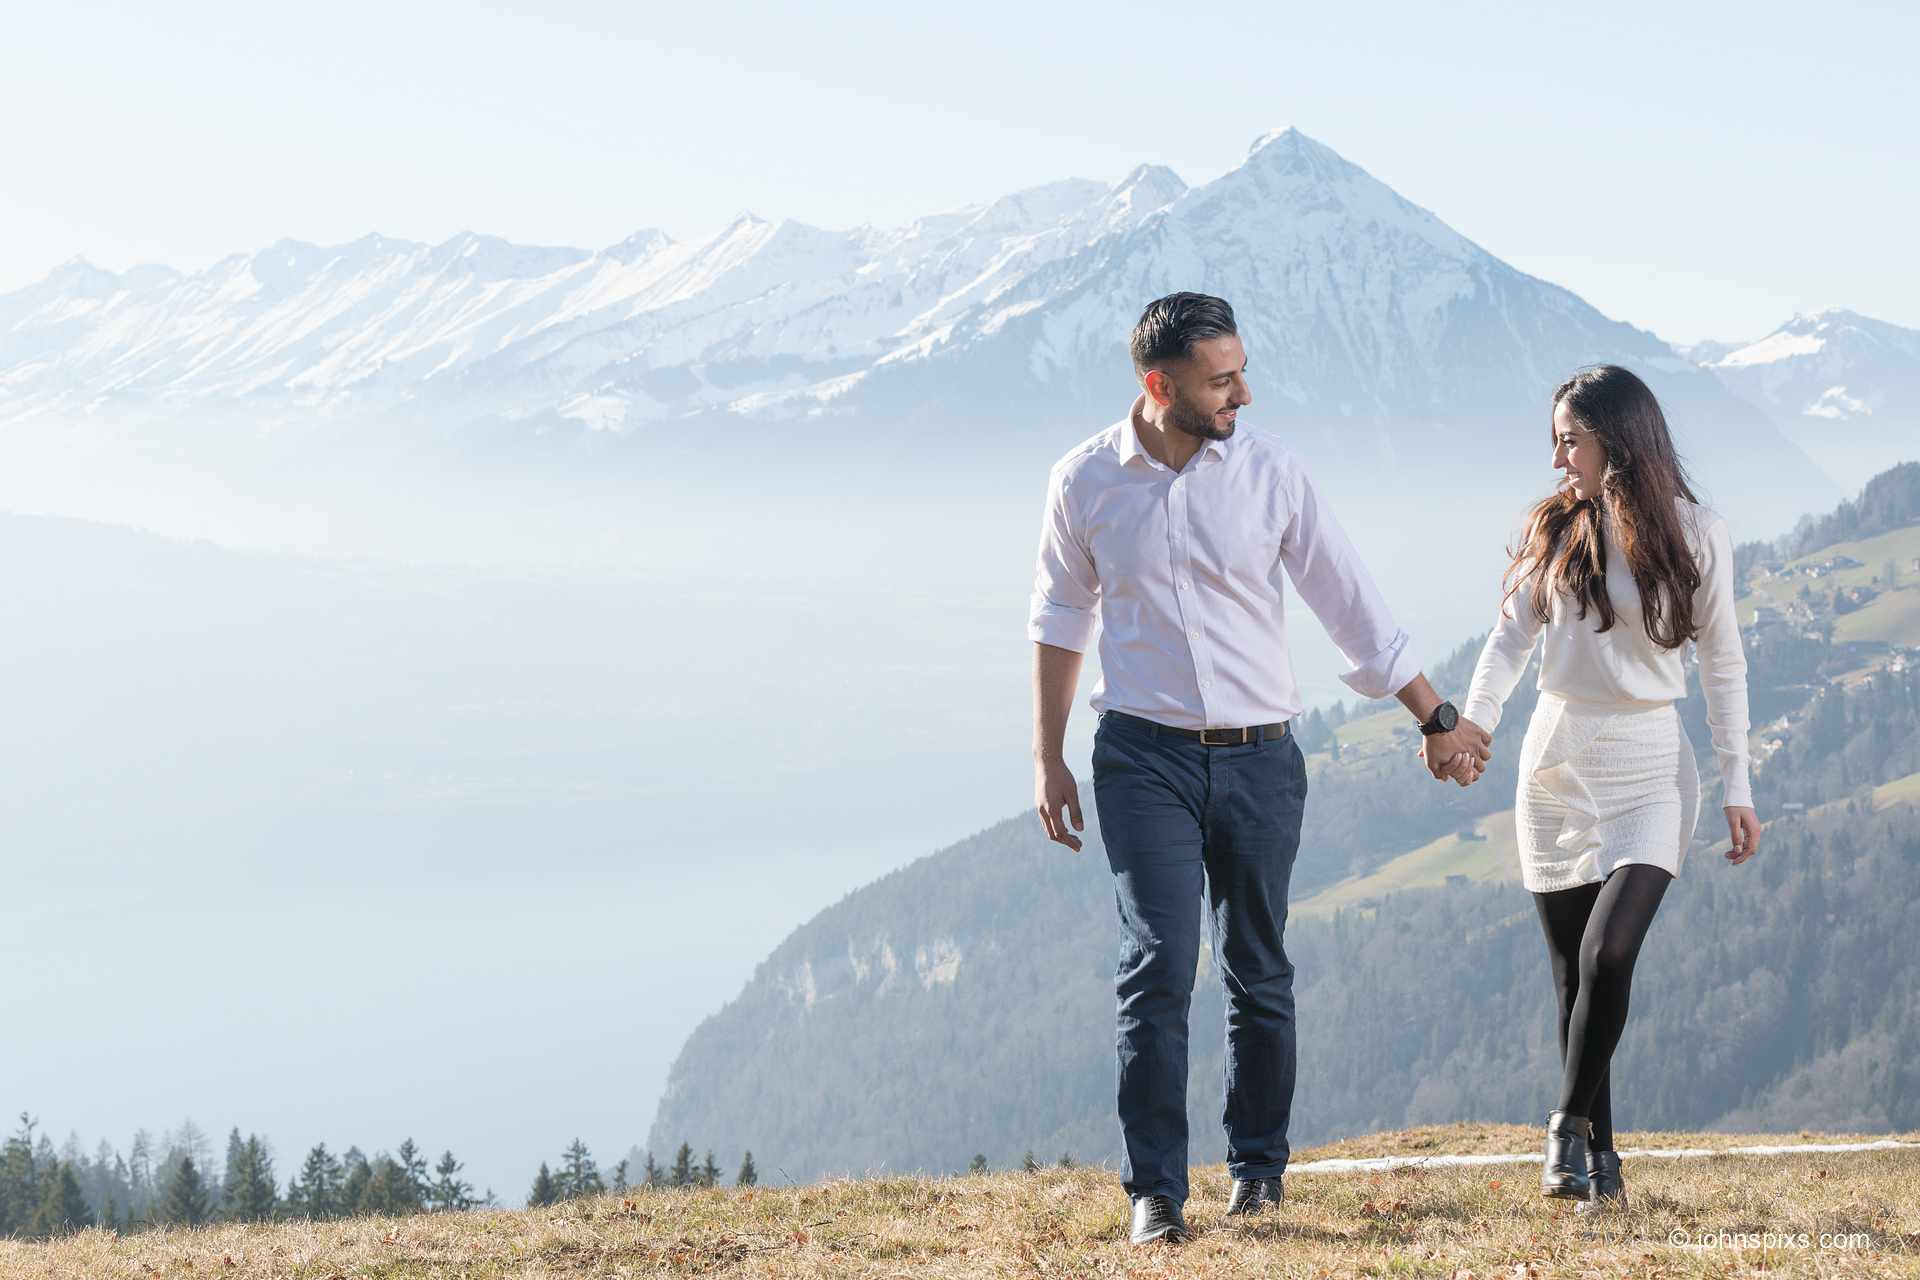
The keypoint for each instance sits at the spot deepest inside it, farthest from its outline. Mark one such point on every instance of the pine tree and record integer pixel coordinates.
(544, 1191)
(353, 1187)
(390, 1188)
(652, 1177)
(315, 1193)
(140, 1176)
(709, 1172)
(45, 1158)
(449, 1194)
(620, 1174)
(229, 1184)
(1066, 1161)
(1312, 732)
(683, 1174)
(20, 1189)
(578, 1174)
(978, 1165)
(414, 1165)
(748, 1174)
(63, 1210)
(185, 1203)
(249, 1189)
(1028, 1164)
(191, 1140)
(102, 1178)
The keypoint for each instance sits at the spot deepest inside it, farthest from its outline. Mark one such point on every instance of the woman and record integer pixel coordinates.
(1618, 569)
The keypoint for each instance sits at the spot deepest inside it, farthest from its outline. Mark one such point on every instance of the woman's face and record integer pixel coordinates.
(1577, 454)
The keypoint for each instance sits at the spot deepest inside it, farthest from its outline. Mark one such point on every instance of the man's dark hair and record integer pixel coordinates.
(1170, 326)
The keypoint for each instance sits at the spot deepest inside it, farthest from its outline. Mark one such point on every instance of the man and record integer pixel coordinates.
(1177, 527)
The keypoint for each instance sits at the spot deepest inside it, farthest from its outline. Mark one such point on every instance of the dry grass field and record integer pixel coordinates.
(1815, 1214)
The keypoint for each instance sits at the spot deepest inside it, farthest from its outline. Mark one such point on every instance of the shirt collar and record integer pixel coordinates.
(1127, 439)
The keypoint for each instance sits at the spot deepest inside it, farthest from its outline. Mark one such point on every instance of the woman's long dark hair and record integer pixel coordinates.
(1563, 548)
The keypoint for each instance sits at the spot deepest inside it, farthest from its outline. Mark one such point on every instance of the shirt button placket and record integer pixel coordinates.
(1183, 591)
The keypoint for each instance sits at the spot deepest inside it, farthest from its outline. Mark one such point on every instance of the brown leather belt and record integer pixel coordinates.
(1210, 737)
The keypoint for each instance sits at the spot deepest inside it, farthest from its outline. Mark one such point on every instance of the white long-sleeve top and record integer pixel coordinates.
(1623, 665)
(1185, 572)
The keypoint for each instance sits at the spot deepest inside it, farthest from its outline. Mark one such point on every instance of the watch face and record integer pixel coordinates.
(1446, 716)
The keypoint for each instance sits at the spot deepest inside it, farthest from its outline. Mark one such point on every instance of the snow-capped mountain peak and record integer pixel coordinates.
(641, 244)
(1147, 189)
(1290, 148)
(1824, 370)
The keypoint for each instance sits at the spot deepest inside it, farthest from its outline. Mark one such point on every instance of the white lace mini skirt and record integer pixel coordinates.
(1601, 786)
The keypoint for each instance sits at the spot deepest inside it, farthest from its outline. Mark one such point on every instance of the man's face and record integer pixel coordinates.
(1202, 393)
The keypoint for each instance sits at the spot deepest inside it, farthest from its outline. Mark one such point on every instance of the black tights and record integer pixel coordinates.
(1594, 932)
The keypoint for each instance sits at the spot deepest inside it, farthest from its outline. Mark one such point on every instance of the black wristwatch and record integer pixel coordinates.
(1444, 717)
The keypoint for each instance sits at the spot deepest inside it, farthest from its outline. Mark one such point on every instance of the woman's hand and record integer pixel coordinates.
(1459, 755)
(1743, 825)
(1463, 767)
(1471, 765)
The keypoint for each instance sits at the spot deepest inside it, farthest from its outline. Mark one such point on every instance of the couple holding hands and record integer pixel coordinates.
(1174, 526)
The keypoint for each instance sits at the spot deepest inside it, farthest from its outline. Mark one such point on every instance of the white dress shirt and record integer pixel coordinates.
(1184, 570)
(1622, 666)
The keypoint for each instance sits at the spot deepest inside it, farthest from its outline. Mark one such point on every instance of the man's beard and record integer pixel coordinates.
(1182, 416)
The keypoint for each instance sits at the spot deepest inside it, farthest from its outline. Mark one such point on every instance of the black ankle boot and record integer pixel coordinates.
(1565, 1172)
(1609, 1192)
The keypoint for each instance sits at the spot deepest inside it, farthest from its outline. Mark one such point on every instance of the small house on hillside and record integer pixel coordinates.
(1848, 599)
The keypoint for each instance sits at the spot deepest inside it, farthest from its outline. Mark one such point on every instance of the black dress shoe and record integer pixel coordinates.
(1255, 1195)
(1565, 1173)
(1158, 1218)
(1608, 1191)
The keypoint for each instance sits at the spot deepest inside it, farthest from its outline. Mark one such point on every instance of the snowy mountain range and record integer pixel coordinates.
(646, 329)
(1833, 365)
(1361, 305)
(1376, 332)
(1844, 386)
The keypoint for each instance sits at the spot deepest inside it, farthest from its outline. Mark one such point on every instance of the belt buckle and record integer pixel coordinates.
(1224, 742)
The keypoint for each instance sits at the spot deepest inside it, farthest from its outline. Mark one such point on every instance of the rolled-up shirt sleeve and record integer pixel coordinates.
(1065, 587)
(1328, 574)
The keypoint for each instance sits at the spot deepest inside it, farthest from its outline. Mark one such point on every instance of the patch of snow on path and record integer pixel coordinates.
(1377, 1164)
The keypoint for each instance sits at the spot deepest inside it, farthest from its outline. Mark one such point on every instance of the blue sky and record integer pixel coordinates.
(1701, 169)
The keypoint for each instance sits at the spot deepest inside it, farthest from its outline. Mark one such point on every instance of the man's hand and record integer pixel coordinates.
(1743, 826)
(1460, 755)
(1056, 795)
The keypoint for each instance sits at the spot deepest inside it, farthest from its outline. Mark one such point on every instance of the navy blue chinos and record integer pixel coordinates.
(1184, 823)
